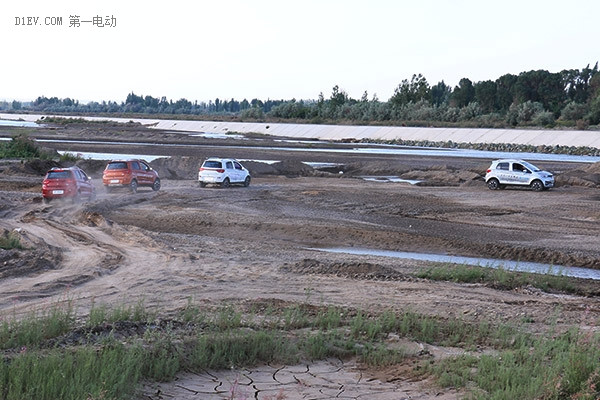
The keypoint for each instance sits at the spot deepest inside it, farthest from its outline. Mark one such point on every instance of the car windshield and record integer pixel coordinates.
(212, 164)
(58, 175)
(530, 167)
(117, 165)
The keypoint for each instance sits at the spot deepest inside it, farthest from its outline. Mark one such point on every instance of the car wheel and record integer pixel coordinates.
(133, 186)
(156, 185)
(247, 181)
(202, 184)
(225, 183)
(47, 200)
(493, 184)
(537, 186)
(77, 198)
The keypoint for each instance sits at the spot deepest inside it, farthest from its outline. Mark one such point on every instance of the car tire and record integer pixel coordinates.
(77, 198)
(247, 181)
(493, 184)
(47, 200)
(133, 186)
(202, 184)
(225, 183)
(156, 185)
(537, 186)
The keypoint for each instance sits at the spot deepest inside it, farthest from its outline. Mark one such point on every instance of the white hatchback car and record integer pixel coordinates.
(224, 172)
(517, 172)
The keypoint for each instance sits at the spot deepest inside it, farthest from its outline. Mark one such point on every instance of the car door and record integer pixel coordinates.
(139, 173)
(147, 172)
(239, 172)
(85, 184)
(503, 172)
(520, 174)
(230, 171)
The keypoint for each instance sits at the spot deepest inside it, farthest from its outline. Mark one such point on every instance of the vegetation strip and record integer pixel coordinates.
(50, 355)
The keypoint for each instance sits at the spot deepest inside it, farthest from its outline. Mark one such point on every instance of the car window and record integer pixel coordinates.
(237, 165)
(83, 176)
(144, 166)
(212, 164)
(58, 175)
(117, 165)
(503, 166)
(229, 165)
(518, 167)
(135, 165)
(531, 167)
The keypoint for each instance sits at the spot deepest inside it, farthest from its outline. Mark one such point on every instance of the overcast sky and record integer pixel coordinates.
(278, 49)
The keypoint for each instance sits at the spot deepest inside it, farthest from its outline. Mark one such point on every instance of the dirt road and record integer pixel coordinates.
(243, 245)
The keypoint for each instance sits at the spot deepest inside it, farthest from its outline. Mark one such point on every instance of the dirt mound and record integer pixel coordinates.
(177, 167)
(293, 168)
(345, 270)
(35, 167)
(587, 176)
(374, 169)
(257, 168)
(444, 177)
(32, 259)
(93, 168)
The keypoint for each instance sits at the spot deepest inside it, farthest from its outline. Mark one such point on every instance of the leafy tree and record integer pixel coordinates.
(485, 95)
(440, 93)
(541, 86)
(338, 97)
(577, 83)
(505, 91)
(133, 99)
(414, 91)
(594, 114)
(464, 93)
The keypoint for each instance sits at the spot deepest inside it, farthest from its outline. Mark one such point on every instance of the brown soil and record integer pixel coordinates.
(243, 245)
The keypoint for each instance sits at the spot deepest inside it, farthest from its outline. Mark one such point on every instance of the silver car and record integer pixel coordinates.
(223, 172)
(517, 172)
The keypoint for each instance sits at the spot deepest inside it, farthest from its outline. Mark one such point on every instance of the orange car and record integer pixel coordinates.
(130, 174)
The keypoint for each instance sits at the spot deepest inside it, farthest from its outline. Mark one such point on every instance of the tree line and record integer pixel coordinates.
(531, 98)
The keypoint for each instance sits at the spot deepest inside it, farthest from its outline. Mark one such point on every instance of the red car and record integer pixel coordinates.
(131, 174)
(73, 183)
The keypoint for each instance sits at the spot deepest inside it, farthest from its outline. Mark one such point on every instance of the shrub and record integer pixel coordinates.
(544, 118)
(21, 146)
(574, 111)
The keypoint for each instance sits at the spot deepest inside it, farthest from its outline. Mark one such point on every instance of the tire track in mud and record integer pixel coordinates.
(89, 249)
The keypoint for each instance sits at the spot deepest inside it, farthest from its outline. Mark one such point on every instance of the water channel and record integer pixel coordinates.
(520, 266)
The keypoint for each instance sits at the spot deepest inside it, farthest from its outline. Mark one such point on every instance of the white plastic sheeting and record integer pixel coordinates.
(340, 132)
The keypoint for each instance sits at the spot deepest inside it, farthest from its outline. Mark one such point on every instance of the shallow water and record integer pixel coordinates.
(23, 124)
(520, 266)
(388, 178)
(110, 156)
